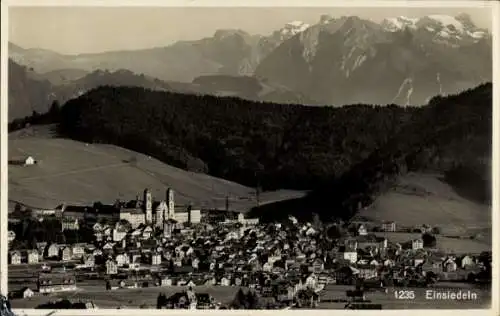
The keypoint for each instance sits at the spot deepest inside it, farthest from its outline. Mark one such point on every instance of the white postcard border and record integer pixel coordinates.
(495, 7)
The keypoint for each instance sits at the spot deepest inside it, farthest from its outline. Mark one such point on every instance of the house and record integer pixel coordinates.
(119, 233)
(68, 223)
(389, 226)
(88, 260)
(347, 253)
(108, 248)
(449, 265)
(433, 264)
(367, 271)
(182, 300)
(15, 257)
(52, 251)
(111, 267)
(11, 236)
(166, 281)
(97, 227)
(195, 263)
(311, 281)
(33, 256)
(372, 241)
(56, 282)
(135, 255)
(225, 281)
(147, 232)
(41, 247)
(155, 258)
(99, 235)
(466, 261)
(122, 259)
(65, 254)
(361, 230)
(317, 266)
(29, 161)
(267, 267)
(77, 250)
(310, 231)
(25, 292)
(417, 244)
(108, 232)
(418, 259)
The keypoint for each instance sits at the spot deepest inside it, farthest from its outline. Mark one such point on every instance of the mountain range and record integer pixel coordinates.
(336, 61)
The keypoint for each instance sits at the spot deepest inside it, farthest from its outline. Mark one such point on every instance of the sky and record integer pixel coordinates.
(76, 30)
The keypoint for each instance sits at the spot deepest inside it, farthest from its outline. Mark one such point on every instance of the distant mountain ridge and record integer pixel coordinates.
(336, 61)
(349, 60)
(31, 92)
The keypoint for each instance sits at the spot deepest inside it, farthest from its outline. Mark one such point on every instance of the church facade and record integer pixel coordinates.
(156, 213)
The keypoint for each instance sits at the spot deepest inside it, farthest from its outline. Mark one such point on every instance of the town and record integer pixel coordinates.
(149, 243)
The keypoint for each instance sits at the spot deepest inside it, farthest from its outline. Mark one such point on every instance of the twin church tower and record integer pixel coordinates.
(163, 210)
(159, 212)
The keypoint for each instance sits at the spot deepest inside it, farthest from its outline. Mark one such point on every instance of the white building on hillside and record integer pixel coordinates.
(29, 161)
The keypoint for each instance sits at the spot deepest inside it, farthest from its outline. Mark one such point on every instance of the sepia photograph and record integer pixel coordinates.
(238, 157)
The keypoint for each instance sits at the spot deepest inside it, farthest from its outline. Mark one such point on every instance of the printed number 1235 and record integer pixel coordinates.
(404, 295)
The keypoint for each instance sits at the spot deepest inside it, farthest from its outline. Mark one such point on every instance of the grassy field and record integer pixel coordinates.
(79, 173)
(131, 298)
(134, 298)
(426, 199)
(447, 244)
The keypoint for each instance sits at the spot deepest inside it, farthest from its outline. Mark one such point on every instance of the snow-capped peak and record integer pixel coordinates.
(294, 27)
(448, 22)
(325, 19)
(444, 26)
(399, 23)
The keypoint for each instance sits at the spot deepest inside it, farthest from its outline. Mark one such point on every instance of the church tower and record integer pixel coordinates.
(160, 213)
(148, 206)
(170, 204)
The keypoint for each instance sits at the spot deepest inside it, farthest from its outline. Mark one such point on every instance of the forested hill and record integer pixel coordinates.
(253, 143)
(342, 154)
(451, 135)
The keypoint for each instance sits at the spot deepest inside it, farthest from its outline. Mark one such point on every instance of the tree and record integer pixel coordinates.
(240, 300)
(436, 230)
(252, 300)
(429, 240)
(161, 301)
(334, 232)
(316, 222)
(54, 110)
(17, 208)
(125, 223)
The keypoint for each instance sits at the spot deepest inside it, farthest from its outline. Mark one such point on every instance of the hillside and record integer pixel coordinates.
(246, 87)
(418, 198)
(31, 91)
(254, 143)
(450, 136)
(227, 52)
(75, 172)
(63, 76)
(27, 92)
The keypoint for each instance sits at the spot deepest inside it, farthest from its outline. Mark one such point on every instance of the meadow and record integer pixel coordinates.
(78, 173)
